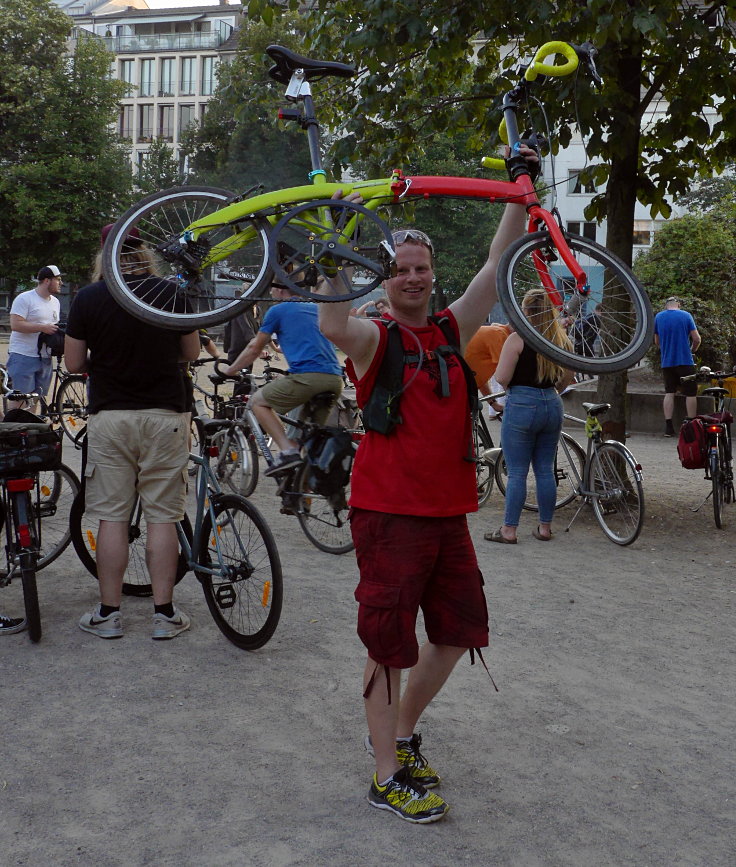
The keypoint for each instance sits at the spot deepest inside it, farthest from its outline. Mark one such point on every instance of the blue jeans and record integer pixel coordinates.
(530, 430)
(29, 373)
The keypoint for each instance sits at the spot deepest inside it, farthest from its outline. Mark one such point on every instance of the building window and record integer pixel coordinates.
(208, 76)
(146, 78)
(167, 77)
(188, 75)
(643, 230)
(587, 230)
(145, 124)
(126, 75)
(166, 122)
(126, 121)
(575, 187)
(186, 117)
(140, 159)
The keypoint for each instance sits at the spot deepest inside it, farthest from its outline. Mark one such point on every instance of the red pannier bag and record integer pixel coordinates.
(692, 446)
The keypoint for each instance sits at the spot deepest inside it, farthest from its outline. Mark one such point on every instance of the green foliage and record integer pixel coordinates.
(710, 191)
(62, 173)
(160, 169)
(240, 141)
(694, 258)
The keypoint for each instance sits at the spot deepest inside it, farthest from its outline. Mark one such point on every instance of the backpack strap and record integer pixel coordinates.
(453, 348)
(381, 411)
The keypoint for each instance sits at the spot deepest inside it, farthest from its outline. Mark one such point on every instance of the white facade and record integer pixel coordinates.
(167, 57)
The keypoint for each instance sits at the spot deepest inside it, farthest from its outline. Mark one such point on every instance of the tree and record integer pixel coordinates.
(673, 57)
(160, 169)
(240, 142)
(694, 258)
(62, 172)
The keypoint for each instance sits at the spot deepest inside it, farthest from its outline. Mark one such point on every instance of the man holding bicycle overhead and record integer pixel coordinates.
(313, 368)
(412, 485)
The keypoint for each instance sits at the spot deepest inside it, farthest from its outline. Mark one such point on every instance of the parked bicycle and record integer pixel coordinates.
(305, 239)
(718, 458)
(36, 493)
(230, 549)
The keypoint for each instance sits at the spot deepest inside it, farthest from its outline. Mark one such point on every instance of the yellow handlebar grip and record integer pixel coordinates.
(493, 163)
(549, 49)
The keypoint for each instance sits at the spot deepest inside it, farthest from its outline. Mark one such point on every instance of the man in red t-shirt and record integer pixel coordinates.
(410, 492)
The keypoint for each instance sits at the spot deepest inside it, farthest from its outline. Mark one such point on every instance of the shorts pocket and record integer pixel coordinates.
(379, 620)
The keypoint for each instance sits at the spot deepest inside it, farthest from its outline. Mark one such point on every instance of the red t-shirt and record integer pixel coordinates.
(421, 467)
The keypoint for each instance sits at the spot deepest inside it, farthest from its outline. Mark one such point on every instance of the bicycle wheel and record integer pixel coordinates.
(569, 472)
(136, 581)
(187, 258)
(625, 323)
(237, 461)
(30, 600)
(324, 519)
(71, 405)
(717, 480)
(245, 593)
(57, 491)
(614, 480)
(484, 466)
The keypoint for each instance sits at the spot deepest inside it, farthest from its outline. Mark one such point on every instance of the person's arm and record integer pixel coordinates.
(210, 347)
(694, 339)
(656, 339)
(357, 337)
(250, 353)
(189, 346)
(75, 355)
(18, 323)
(567, 378)
(512, 348)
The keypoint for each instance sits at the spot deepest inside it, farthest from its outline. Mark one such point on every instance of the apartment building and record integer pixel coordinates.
(168, 58)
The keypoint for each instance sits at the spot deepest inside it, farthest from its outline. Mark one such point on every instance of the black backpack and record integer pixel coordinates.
(329, 452)
(52, 344)
(381, 411)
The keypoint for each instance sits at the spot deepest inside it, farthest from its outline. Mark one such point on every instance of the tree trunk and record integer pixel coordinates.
(621, 196)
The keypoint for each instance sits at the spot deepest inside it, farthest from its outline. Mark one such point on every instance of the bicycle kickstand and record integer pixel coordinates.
(698, 508)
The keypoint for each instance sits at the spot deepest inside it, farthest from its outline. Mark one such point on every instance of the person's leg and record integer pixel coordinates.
(381, 716)
(428, 676)
(271, 423)
(668, 405)
(543, 462)
(162, 558)
(22, 372)
(43, 377)
(691, 405)
(517, 440)
(112, 560)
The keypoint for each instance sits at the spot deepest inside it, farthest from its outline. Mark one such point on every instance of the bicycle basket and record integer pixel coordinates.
(329, 452)
(28, 447)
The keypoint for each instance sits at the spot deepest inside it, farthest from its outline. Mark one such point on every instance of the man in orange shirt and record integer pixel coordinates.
(482, 354)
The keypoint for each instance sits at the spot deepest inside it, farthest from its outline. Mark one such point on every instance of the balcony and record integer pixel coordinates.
(164, 42)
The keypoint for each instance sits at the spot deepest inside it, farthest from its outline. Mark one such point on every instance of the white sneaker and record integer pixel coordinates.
(103, 627)
(170, 627)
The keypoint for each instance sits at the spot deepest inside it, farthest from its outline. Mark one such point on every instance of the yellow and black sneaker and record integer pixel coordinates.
(409, 756)
(405, 797)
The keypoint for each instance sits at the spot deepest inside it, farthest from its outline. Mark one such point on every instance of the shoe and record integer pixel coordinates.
(409, 756)
(405, 797)
(11, 625)
(103, 627)
(538, 535)
(497, 536)
(170, 627)
(285, 461)
(669, 430)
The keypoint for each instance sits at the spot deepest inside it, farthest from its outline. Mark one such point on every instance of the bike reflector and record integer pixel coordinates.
(20, 484)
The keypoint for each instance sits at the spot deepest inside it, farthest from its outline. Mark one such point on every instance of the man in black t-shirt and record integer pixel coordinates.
(137, 443)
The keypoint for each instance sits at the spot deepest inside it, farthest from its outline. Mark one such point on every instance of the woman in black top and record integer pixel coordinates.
(532, 418)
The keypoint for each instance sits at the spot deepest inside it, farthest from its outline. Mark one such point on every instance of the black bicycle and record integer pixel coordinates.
(717, 425)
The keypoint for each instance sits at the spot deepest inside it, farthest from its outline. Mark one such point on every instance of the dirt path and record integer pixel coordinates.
(611, 741)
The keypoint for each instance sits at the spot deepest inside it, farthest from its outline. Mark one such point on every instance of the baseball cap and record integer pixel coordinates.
(133, 235)
(48, 272)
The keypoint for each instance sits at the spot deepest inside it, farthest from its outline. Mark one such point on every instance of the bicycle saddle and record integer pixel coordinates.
(287, 62)
(715, 392)
(596, 409)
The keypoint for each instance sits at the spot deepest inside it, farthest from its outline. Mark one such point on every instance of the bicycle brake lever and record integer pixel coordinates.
(586, 52)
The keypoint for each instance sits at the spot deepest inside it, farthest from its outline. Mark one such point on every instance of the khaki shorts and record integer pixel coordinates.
(295, 389)
(143, 451)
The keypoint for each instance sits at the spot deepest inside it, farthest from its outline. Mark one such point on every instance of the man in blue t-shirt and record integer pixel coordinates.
(313, 368)
(677, 337)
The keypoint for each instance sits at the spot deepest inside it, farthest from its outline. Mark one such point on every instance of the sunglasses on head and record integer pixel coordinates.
(402, 235)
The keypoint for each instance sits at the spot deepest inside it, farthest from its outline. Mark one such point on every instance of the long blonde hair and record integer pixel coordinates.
(134, 261)
(542, 315)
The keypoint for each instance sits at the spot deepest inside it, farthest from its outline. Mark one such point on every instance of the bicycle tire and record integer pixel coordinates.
(135, 581)
(162, 221)
(246, 602)
(618, 496)
(324, 520)
(566, 477)
(237, 462)
(30, 600)
(717, 482)
(484, 470)
(71, 405)
(57, 491)
(627, 324)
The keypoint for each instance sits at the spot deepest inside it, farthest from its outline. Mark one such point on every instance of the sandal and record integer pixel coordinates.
(538, 535)
(497, 536)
